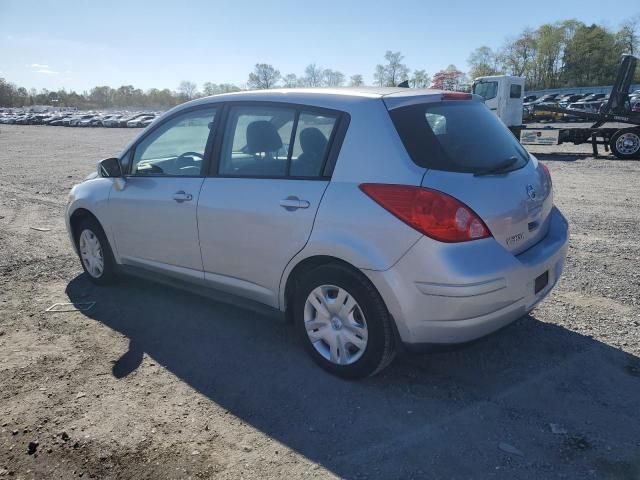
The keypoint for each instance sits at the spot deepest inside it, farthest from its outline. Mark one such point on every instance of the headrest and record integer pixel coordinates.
(312, 140)
(262, 136)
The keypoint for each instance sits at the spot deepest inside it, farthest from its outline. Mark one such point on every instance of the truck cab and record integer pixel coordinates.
(503, 95)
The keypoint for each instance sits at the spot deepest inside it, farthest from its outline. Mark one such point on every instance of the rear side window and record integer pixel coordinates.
(456, 136)
(256, 142)
(277, 142)
(311, 145)
(515, 91)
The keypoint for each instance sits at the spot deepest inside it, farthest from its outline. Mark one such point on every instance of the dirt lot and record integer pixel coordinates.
(159, 383)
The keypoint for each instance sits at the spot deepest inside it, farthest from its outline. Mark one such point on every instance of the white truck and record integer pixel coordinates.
(503, 95)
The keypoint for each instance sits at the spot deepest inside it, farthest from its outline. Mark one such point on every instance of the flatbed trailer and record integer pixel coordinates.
(624, 142)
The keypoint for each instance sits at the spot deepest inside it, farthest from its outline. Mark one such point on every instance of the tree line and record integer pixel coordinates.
(568, 53)
(565, 53)
(389, 73)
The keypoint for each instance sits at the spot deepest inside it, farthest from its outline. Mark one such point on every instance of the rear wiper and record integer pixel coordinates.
(497, 168)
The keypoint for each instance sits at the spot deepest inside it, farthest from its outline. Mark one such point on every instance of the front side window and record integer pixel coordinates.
(486, 90)
(515, 91)
(269, 141)
(175, 148)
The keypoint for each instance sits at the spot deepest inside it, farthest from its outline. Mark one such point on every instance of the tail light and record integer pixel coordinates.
(547, 175)
(433, 213)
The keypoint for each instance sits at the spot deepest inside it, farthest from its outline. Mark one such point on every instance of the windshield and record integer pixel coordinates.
(486, 90)
(456, 136)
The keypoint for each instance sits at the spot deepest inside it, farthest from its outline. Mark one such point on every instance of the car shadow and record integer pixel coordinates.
(469, 412)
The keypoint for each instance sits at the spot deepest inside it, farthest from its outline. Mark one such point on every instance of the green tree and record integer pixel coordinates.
(629, 35)
(591, 57)
(483, 62)
(518, 54)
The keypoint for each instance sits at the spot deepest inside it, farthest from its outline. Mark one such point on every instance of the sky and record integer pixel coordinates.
(78, 44)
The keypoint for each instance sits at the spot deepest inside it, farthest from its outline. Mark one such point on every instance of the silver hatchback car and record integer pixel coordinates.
(374, 218)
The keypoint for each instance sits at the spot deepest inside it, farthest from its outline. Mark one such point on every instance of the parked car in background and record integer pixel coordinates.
(591, 107)
(148, 121)
(395, 217)
(107, 120)
(571, 98)
(594, 96)
(550, 98)
(122, 122)
(75, 120)
(137, 122)
(88, 121)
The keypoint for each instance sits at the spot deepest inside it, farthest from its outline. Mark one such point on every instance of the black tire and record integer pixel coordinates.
(380, 347)
(632, 135)
(109, 272)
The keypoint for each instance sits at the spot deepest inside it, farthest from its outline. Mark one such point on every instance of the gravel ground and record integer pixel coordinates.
(155, 382)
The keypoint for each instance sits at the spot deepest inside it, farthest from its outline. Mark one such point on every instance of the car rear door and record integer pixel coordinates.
(257, 209)
(154, 215)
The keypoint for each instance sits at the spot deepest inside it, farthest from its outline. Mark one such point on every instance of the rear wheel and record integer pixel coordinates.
(625, 144)
(344, 322)
(94, 252)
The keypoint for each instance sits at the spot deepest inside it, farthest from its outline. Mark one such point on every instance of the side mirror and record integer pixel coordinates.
(110, 168)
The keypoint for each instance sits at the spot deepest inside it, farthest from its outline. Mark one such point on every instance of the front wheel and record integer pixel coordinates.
(344, 322)
(625, 144)
(95, 253)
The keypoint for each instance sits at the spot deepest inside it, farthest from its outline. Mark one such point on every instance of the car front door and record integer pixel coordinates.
(154, 215)
(257, 209)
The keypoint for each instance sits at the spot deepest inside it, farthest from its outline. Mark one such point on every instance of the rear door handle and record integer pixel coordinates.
(292, 203)
(181, 196)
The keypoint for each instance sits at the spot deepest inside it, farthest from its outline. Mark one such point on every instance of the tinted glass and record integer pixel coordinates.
(175, 148)
(256, 141)
(515, 91)
(311, 144)
(456, 136)
(486, 90)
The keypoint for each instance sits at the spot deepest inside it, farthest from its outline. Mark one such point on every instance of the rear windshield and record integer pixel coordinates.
(457, 136)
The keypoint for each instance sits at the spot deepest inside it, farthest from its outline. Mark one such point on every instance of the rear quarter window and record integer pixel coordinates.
(456, 136)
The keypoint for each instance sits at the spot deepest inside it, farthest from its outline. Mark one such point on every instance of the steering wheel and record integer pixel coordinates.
(190, 154)
(182, 162)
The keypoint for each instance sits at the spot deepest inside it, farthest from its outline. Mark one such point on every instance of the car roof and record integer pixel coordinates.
(335, 95)
(339, 98)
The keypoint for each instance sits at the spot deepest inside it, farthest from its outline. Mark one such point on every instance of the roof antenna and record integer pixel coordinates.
(404, 84)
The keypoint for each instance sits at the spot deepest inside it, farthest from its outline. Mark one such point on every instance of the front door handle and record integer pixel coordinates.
(181, 196)
(292, 203)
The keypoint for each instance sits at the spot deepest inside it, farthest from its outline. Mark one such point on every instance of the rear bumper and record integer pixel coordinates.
(454, 293)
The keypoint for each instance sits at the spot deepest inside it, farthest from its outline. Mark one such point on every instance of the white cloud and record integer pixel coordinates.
(47, 71)
(38, 65)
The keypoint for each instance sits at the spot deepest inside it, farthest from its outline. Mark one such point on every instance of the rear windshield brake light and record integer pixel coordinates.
(456, 96)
